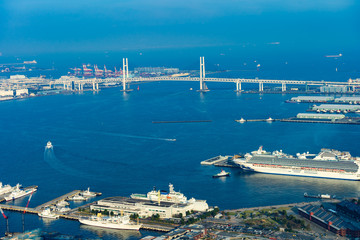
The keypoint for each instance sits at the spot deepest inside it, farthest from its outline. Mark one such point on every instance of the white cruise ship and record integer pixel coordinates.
(18, 193)
(118, 222)
(328, 163)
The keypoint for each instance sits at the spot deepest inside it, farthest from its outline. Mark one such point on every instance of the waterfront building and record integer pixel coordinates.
(329, 221)
(335, 89)
(349, 208)
(312, 99)
(336, 107)
(355, 100)
(144, 208)
(320, 116)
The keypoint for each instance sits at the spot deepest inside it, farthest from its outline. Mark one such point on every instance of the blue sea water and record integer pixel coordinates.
(107, 141)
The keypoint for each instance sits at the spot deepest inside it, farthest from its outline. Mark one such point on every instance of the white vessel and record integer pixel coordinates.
(5, 188)
(62, 203)
(62, 209)
(221, 174)
(87, 193)
(172, 196)
(46, 213)
(328, 163)
(118, 222)
(78, 198)
(18, 193)
(49, 145)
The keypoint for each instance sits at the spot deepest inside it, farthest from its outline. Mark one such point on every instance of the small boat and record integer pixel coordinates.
(87, 193)
(221, 174)
(321, 196)
(49, 145)
(242, 120)
(46, 213)
(78, 197)
(269, 119)
(62, 203)
(62, 209)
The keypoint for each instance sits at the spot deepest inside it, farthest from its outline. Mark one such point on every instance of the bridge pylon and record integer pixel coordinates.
(238, 86)
(125, 75)
(203, 87)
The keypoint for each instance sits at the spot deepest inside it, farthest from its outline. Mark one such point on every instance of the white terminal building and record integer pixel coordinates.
(167, 205)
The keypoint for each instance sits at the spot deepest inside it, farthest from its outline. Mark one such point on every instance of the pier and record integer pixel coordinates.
(346, 120)
(190, 121)
(214, 160)
(59, 199)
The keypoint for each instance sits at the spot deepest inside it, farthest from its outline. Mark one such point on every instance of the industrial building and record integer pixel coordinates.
(336, 89)
(329, 221)
(349, 208)
(321, 116)
(144, 208)
(336, 107)
(312, 99)
(6, 93)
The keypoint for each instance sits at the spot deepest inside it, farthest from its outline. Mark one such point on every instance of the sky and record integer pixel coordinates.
(41, 26)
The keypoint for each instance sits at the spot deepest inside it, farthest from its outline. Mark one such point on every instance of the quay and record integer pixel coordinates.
(59, 199)
(212, 161)
(158, 228)
(190, 121)
(348, 120)
(257, 120)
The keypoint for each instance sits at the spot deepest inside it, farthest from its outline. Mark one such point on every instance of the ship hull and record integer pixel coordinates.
(301, 172)
(110, 225)
(25, 193)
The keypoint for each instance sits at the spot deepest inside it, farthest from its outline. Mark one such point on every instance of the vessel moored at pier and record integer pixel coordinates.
(117, 222)
(328, 163)
(18, 193)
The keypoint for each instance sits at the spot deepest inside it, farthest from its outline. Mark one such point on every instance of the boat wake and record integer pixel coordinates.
(134, 136)
(56, 164)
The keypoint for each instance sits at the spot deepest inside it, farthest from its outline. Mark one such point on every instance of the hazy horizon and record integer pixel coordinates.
(39, 26)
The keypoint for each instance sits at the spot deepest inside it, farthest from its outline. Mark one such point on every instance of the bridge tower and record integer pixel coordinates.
(261, 87)
(125, 74)
(283, 87)
(238, 86)
(203, 87)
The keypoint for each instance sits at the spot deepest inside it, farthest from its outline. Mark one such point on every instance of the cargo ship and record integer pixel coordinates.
(329, 163)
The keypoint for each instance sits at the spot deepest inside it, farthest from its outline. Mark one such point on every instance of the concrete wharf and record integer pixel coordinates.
(59, 199)
(212, 161)
(159, 228)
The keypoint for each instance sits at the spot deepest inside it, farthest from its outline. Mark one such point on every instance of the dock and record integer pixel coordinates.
(59, 199)
(212, 161)
(269, 120)
(191, 121)
(158, 228)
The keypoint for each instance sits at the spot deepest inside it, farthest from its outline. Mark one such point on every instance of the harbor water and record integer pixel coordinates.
(107, 140)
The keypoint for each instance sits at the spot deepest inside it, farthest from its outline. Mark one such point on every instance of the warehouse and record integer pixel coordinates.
(323, 116)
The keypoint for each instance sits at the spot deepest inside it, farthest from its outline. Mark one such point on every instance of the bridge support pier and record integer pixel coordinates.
(97, 86)
(283, 87)
(94, 87)
(238, 86)
(261, 87)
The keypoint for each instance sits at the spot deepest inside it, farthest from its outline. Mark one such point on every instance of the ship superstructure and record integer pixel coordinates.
(173, 197)
(329, 163)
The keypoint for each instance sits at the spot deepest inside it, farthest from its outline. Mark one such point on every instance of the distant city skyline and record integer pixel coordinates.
(38, 26)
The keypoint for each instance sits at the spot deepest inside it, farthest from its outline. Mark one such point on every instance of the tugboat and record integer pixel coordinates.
(49, 145)
(221, 174)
